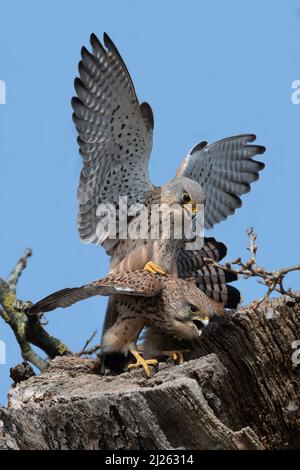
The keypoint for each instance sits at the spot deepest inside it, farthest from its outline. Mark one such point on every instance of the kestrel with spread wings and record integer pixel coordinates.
(115, 140)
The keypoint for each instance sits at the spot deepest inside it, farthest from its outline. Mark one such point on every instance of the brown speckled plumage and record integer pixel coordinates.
(141, 299)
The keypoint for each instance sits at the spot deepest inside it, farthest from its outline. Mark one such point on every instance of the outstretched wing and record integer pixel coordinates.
(137, 283)
(225, 170)
(114, 135)
(64, 298)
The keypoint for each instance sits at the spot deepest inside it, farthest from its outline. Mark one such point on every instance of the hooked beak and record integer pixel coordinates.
(194, 209)
(200, 323)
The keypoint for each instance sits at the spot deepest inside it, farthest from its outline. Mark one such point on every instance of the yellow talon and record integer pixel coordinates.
(174, 356)
(177, 356)
(141, 362)
(180, 358)
(153, 268)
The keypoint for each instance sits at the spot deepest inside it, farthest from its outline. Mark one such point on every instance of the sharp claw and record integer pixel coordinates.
(141, 362)
(177, 356)
(174, 356)
(153, 268)
(180, 358)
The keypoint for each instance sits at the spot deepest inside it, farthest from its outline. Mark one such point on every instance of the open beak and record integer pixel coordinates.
(200, 323)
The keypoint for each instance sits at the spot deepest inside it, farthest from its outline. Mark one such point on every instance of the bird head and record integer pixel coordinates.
(187, 309)
(183, 193)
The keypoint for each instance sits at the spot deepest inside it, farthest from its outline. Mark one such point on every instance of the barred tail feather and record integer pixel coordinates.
(210, 279)
(190, 261)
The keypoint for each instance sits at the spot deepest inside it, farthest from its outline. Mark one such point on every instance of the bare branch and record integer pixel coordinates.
(29, 355)
(38, 336)
(90, 350)
(27, 330)
(273, 280)
(13, 278)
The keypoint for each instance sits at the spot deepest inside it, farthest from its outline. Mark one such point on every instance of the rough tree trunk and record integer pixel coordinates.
(240, 390)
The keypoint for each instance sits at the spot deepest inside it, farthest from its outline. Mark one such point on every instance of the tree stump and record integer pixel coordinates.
(239, 390)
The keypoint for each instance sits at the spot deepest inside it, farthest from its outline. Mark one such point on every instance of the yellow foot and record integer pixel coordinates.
(141, 362)
(177, 356)
(153, 268)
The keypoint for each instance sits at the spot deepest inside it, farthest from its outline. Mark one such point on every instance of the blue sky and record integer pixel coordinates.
(209, 69)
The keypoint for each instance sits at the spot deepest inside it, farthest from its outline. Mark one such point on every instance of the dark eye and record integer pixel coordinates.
(193, 309)
(186, 198)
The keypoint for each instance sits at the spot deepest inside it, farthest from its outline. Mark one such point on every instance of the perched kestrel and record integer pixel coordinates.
(168, 304)
(169, 307)
(213, 281)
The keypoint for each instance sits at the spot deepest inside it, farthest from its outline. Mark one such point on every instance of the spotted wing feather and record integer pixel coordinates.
(136, 283)
(225, 170)
(114, 136)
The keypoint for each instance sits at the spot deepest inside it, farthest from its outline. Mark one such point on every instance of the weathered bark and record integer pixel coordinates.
(241, 391)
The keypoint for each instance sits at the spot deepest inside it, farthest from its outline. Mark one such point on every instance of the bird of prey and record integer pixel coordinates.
(193, 267)
(168, 304)
(115, 140)
(169, 307)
